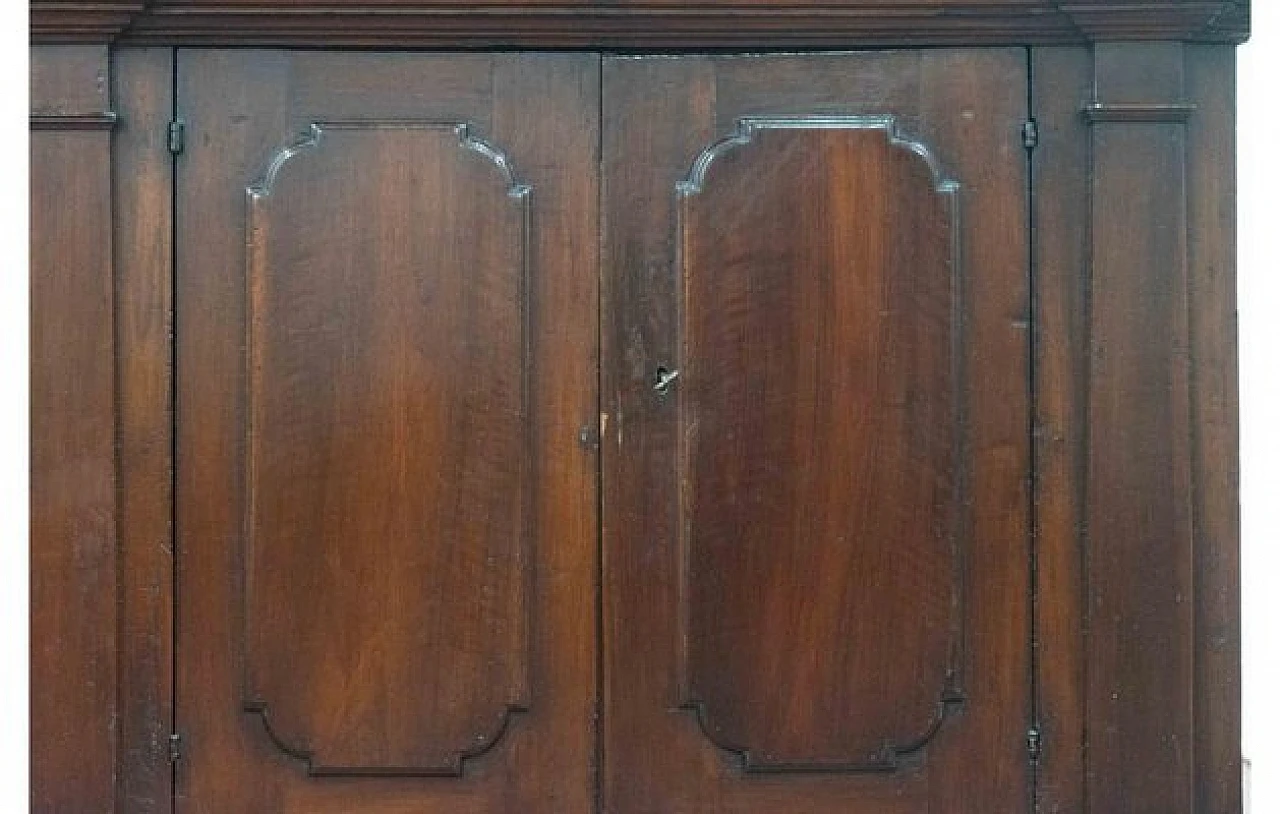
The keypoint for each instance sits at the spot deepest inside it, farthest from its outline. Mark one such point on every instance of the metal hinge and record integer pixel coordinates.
(177, 136)
(175, 747)
(1030, 134)
(1034, 744)
(588, 437)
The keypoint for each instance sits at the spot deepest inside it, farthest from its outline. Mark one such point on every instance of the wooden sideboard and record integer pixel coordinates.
(621, 407)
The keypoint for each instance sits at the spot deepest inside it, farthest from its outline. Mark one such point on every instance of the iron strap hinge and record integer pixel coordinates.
(175, 747)
(177, 136)
(1030, 134)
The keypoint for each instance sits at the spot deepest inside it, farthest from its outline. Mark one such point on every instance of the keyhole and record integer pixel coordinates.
(663, 379)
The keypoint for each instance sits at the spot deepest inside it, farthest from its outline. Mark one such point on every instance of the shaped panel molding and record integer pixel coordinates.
(821, 438)
(388, 500)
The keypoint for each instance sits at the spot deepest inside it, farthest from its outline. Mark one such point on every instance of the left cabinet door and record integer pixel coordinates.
(386, 355)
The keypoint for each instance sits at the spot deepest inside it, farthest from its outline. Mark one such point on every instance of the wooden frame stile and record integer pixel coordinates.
(144, 186)
(1136, 433)
(75, 563)
(101, 435)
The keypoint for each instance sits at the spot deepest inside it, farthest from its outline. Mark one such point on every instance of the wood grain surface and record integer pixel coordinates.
(568, 432)
(822, 500)
(385, 514)
(73, 538)
(787, 280)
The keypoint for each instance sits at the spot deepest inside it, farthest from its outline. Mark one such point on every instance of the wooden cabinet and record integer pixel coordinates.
(660, 424)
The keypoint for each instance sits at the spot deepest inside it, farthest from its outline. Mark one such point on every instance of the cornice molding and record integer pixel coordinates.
(77, 21)
(635, 25)
(1187, 20)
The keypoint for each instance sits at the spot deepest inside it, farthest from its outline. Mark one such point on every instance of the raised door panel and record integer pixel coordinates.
(816, 544)
(387, 448)
(385, 509)
(819, 443)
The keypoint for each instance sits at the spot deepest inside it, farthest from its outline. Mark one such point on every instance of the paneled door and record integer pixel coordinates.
(816, 536)
(386, 485)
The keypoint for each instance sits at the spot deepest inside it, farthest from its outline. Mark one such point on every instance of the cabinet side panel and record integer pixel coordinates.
(144, 306)
(1061, 78)
(1140, 620)
(1211, 218)
(73, 479)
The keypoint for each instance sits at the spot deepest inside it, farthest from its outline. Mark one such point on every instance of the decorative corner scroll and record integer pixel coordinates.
(314, 132)
(453, 767)
(748, 126)
(889, 758)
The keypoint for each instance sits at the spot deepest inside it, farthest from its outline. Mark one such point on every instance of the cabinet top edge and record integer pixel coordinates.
(635, 24)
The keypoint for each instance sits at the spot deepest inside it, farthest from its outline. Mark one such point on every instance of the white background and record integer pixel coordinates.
(1259, 204)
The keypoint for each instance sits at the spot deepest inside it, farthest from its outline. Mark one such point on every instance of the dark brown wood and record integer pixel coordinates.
(1101, 20)
(1215, 432)
(386, 517)
(816, 573)
(1061, 79)
(69, 82)
(820, 432)
(1139, 685)
(74, 557)
(78, 21)
(388, 446)
(143, 242)
(1137, 431)
(766, 306)
(76, 121)
(638, 23)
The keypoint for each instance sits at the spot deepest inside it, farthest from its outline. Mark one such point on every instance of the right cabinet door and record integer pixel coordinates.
(815, 437)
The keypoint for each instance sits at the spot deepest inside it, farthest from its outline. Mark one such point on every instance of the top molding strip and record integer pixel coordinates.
(633, 25)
